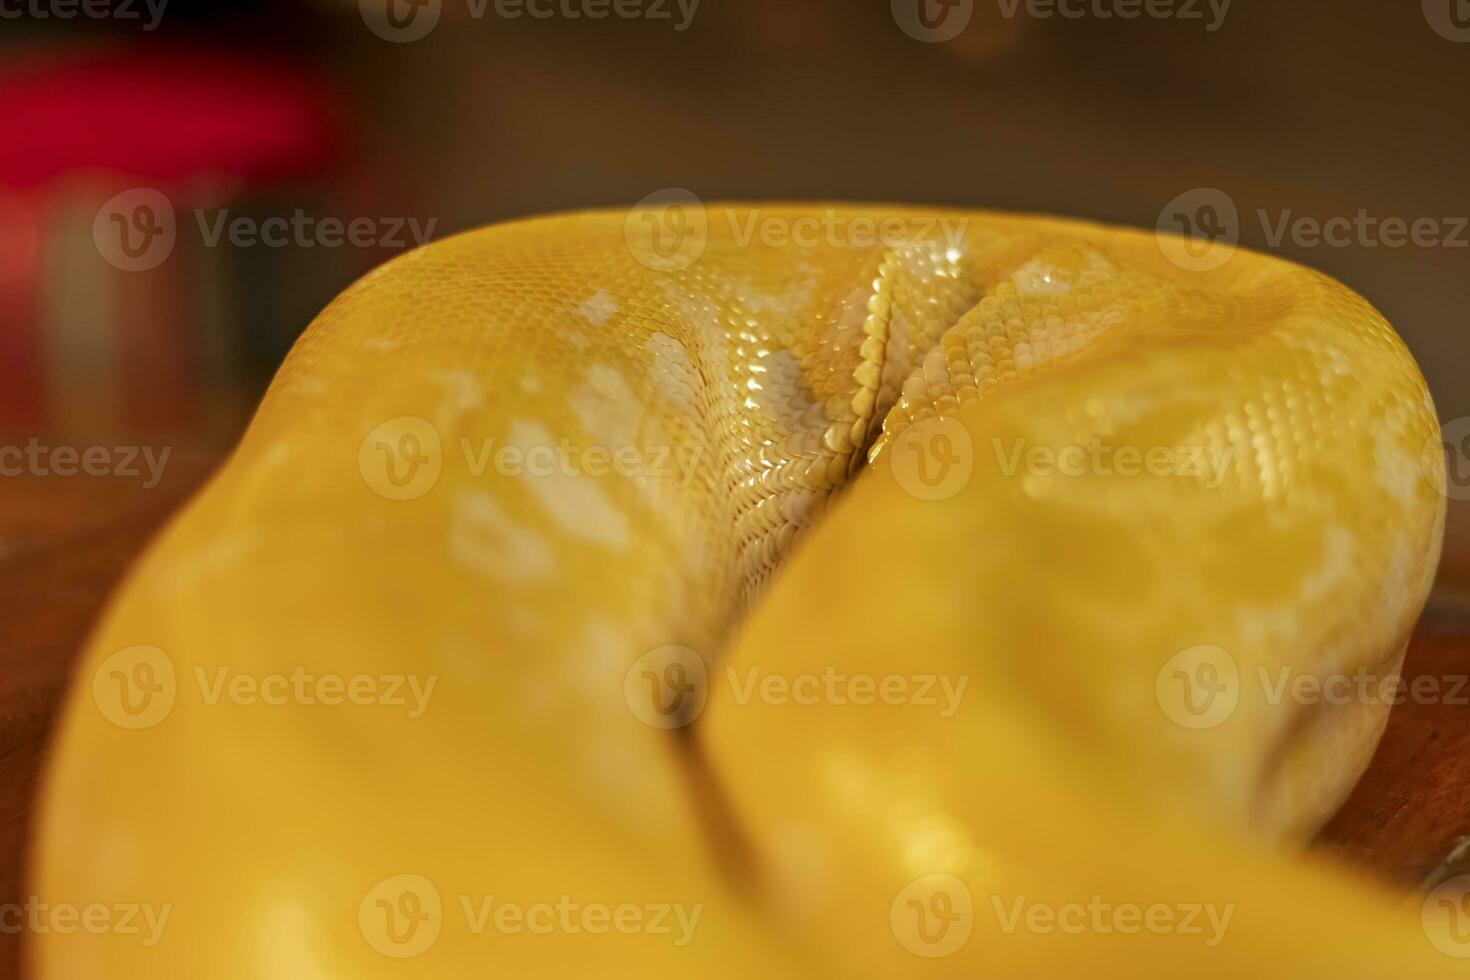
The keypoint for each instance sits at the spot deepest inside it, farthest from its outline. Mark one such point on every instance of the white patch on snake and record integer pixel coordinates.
(593, 668)
(1121, 409)
(576, 503)
(1340, 363)
(1036, 278)
(463, 393)
(1056, 339)
(711, 347)
(598, 307)
(215, 557)
(845, 327)
(1398, 474)
(596, 665)
(672, 372)
(787, 304)
(779, 389)
(574, 339)
(607, 408)
(1261, 626)
(1397, 588)
(1338, 548)
(483, 537)
(305, 384)
(293, 950)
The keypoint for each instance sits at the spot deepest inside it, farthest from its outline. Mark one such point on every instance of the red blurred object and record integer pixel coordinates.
(164, 116)
(80, 128)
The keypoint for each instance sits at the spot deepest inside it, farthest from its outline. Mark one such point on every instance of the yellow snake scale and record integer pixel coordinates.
(740, 603)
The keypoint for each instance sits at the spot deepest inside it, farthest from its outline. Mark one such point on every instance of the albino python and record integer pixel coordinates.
(784, 591)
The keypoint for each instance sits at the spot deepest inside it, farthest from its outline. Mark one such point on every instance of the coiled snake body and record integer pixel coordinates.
(829, 594)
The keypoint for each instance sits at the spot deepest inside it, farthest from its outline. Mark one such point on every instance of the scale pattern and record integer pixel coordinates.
(525, 460)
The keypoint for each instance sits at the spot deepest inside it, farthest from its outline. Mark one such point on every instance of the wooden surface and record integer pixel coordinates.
(65, 543)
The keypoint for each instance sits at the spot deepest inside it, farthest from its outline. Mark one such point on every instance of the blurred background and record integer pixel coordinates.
(184, 184)
(421, 118)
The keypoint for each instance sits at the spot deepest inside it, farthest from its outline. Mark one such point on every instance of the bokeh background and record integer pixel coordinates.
(1315, 109)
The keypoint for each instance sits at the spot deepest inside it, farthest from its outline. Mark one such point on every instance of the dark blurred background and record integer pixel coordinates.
(426, 117)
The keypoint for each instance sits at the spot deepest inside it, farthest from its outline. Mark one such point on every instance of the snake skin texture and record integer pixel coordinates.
(830, 578)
